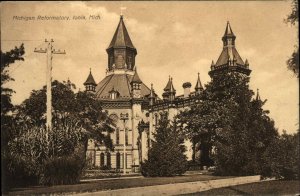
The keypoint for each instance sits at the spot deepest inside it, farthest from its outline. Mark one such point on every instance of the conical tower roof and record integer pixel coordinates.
(229, 51)
(90, 80)
(228, 31)
(121, 37)
(169, 87)
(136, 78)
(152, 93)
(199, 84)
(258, 96)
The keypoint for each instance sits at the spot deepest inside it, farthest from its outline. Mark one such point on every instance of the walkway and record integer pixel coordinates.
(177, 188)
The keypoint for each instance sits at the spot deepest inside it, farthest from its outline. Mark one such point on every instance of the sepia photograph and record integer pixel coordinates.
(149, 98)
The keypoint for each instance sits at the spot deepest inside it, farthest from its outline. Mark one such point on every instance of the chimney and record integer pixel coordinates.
(187, 89)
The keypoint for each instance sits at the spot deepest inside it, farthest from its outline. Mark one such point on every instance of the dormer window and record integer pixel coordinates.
(113, 94)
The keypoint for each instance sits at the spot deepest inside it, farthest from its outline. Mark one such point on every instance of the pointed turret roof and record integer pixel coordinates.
(199, 84)
(121, 37)
(257, 96)
(169, 87)
(90, 79)
(228, 31)
(229, 51)
(136, 78)
(152, 93)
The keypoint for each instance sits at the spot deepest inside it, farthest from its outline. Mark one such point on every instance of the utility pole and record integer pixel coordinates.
(124, 117)
(50, 51)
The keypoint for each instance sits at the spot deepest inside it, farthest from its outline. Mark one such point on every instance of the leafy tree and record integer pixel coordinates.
(70, 109)
(7, 59)
(234, 124)
(166, 156)
(198, 125)
(293, 61)
(76, 118)
(281, 158)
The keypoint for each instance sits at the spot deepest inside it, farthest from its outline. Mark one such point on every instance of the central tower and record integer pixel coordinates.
(229, 59)
(121, 52)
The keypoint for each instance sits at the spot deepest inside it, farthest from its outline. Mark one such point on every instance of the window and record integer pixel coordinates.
(113, 94)
(108, 160)
(117, 136)
(118, 160)
(126, 137)
(156, 119)
(102, 159)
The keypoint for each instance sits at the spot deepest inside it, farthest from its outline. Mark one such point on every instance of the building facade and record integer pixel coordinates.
(135, 107)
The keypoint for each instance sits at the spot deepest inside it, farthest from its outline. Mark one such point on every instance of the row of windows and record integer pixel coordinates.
(108, 160)
(108, 156)
(90, 88)
(118, 137)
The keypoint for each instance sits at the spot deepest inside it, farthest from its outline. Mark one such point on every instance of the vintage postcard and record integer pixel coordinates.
(150, 97)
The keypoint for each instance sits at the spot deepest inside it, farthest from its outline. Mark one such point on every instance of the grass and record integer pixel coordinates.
(110, 185)
(278, 187)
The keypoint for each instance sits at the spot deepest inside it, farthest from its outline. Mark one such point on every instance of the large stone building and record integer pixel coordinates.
(134, 106)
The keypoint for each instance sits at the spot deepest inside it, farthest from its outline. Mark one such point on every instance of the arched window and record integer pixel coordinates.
(117, 136)
(156, 119)
(126, 137)
(108, 160)
(118, 160)
(102, 159)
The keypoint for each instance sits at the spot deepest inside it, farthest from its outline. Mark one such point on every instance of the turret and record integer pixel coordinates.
(228, 37)
(198, 88)
(90, 83)
(136, 85)
(229, 59)
(152, 96)
(257, 95)
(121, 52)
(169, 91)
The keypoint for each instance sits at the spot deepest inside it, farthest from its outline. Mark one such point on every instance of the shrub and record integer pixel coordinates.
(17, 171)
(105, 167)
(62, 170)
(281, 158)
(166, 157)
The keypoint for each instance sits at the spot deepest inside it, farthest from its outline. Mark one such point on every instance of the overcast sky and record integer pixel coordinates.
(172, 38)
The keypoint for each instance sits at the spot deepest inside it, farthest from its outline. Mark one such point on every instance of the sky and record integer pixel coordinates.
(178, 38)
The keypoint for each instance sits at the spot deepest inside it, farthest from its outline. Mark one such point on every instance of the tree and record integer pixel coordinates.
(7, 59)
(293, 61)
(234, 124)
(77, 117)
(166, 156)
(281, 158)
(198, 125)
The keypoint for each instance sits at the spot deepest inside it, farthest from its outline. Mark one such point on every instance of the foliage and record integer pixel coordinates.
(293, 61)
(281, 158)
(166, 156)
(234, 125)
(293, 16)
(7, 59)
(61, 170)
(76, 117)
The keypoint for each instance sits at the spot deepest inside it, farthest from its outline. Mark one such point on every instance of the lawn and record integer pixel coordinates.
(277, 187)
(110, 184)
